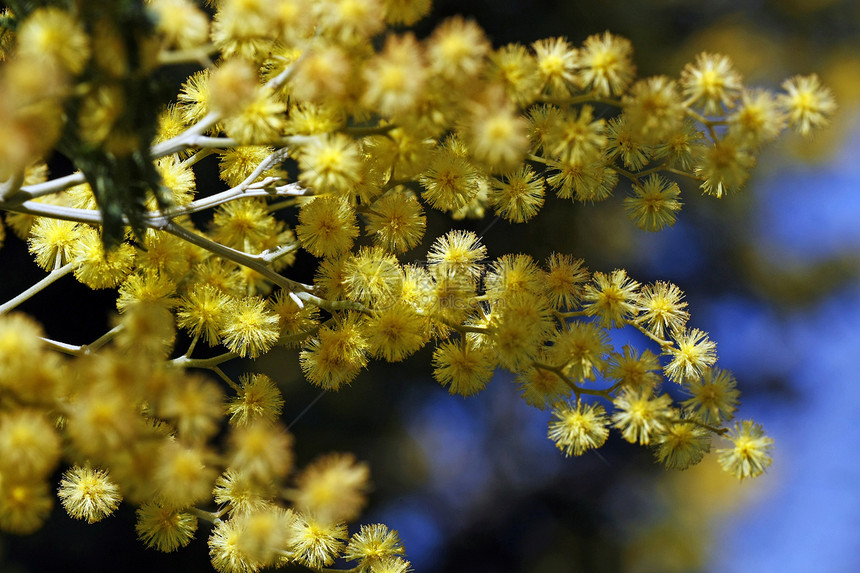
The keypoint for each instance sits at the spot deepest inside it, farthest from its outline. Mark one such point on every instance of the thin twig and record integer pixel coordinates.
(206, 363)
(29, 192)
(52, 277)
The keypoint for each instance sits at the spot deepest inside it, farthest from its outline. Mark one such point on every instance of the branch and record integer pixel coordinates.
(180, 142)
(298, 291)
(12, 185)
(577, 390)
(54, 276)
(208, 363)
(88, 216)
(28, 192)
(236, 256)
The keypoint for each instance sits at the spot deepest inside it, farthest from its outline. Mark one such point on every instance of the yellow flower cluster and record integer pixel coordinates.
(372, 130)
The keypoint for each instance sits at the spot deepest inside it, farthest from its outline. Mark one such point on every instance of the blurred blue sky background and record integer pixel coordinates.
(809, 517)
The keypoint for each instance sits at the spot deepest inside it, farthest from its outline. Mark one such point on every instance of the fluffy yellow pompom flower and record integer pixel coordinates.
(578, 137)
(622, 142)
(238, 163)
(611, 297)
(327, 226)
(463, 369)
(242, 491)
(203, 312)
(577, 429)
(513, 67)
(371, 544)
(519, 195)
(722, 167)
(176, 176)
(147, 330)
(194, 99)
(260, 121)
(88, 493)
(556, 62)
(711, 82)
(195, 406)
(336, 355)
(391, 564)
(606, 64)
(350, 21)
(654, 109)
(395, 78)
(372, 277)
(259, 400)
(662, 308)
(457, 49)
(232, 86)
(265, 533)
(164, 528)
(262, 449)
(450, 294)
(682, 445)
(511, 275)
(396, 332)
(316, 543)
(243, 27)
(749, 455)
(181, 22)
(564, 280)
(496, 132)
(330, 163)
(450, 180)
(694, 352)
(54, 35)
(252, 328)
(96, 268)
(101, 418)
(460, 252)
(20, 344)
(714, 397)
(653, 204)
(809, 104)
(396, 221)
(164, 253)
(29, 442)
(333, 488)
(639, 416)
(184, 475)
(678, 147)
(296, 322)
(580, 350)
(634, 370)
(323, 75)
(244, 224)
(519, 322)
(52, 241)
(24, 506)
(758, 120)
(146, 287)
(329, 278)
(225, 549)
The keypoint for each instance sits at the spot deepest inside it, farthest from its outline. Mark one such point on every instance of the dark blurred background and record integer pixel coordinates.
(772, 273)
